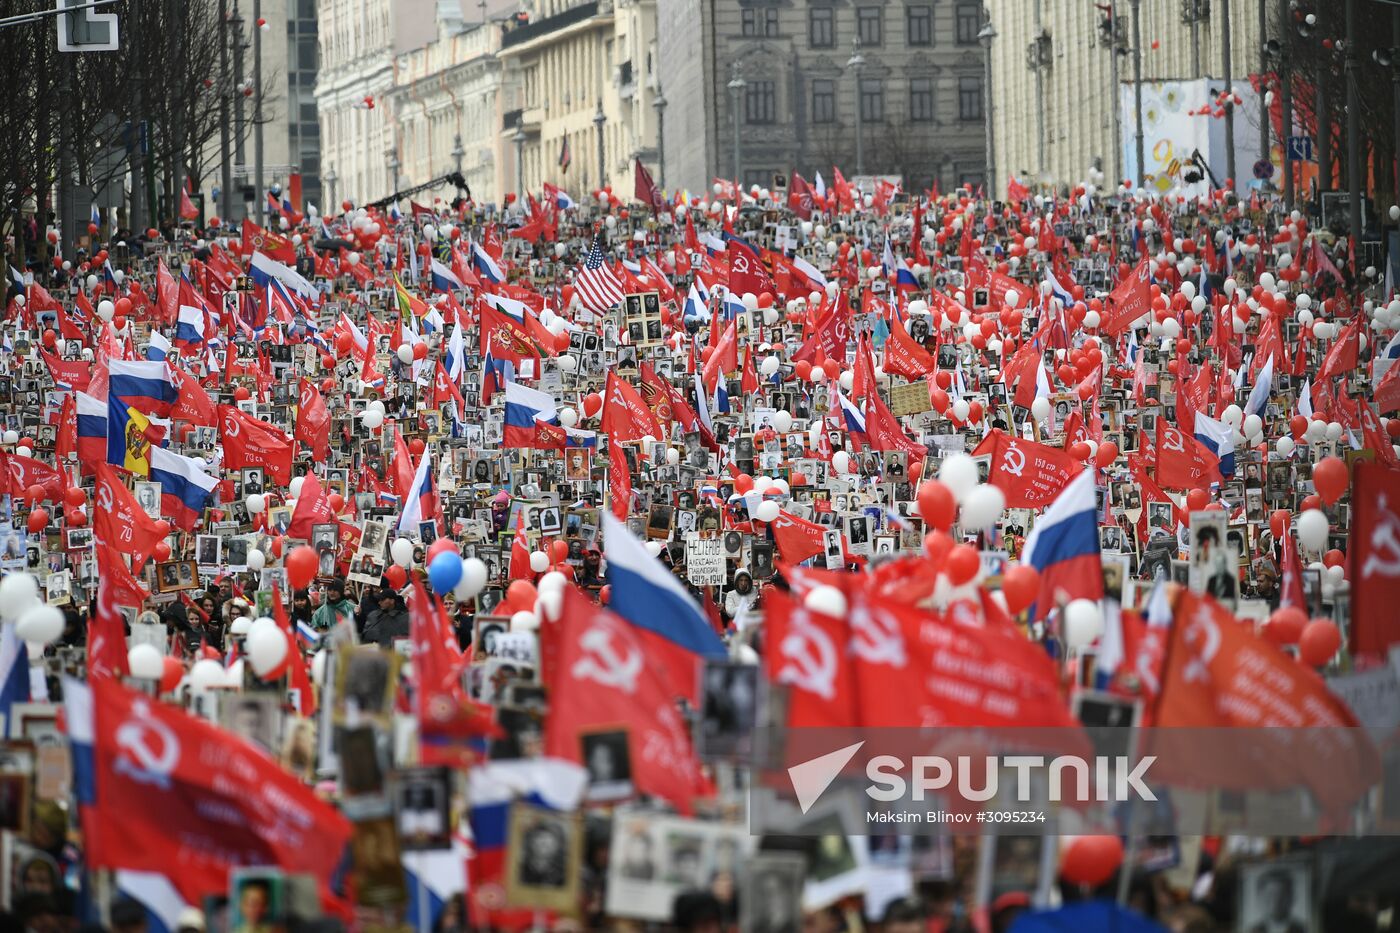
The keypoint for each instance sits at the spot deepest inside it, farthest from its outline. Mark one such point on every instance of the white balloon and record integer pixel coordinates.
(654, 548)
(768, 367)
(525, 621)
(568, 363)
(318, 667)
(402, 552)
(568, 417)
(1317, 431)
(768, 511)
(376, 404)
(1285, 446)
(826, 600)
(539, 561)
(256, 502)
(1334, 431)
(841, 462)
(959, 473)
(257, 560)
(11, 437)
(24, 450)
(818, 374)
(983, 507)
(552, 582)
(295, 486)
(265, 647)
(1312, 529)
(372, 419)
(1232, 416)
(206, 674)
(105, 309)
(405, 353)
(673, 456)
(1083, 622)
(40, 624)
(782, 421)
(960, 409)
(1091, 319)
(18, 592)
(145, 661)
(1040, 409)
(473, 579)
(1253, 424)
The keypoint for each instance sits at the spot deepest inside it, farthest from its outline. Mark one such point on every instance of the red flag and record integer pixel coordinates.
(446, 716)
(625, 416)
(807, 654)
(278, 247)
(746, 272)
(1342, 358)
(800, 197)
(125, 589)
(249, 442)
(445, 390)
(1373, 552)
(748, 380)
(119, 521)
(619, 481)
(298, 677)
(644, 189)
(106, 642)
(882, 430)
(313, 426)
(725, 359)
(313, 508)
(1030, 474)
(76, 374)
(601, 681)
(66, 442)
(903, 354)
(797, 538)
(1129, 301)
(1182, 461)
(191, 795)
(187, 209)
(1219, 674)
(194, 404)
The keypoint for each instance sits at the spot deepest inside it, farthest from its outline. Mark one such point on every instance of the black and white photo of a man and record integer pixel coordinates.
(605, 755)
(1276, 898)
(544, 859)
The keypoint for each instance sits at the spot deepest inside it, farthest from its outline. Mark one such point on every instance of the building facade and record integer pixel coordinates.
(581, 81)
(1054, 64)
(445, 109)
(798, 83)
(357, 69)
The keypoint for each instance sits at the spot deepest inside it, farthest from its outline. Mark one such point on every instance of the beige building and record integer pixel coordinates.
(578, 72)
(446, 111)
(357, 70)
(1057, 119)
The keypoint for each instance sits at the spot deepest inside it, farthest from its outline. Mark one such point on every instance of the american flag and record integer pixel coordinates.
(597, 286)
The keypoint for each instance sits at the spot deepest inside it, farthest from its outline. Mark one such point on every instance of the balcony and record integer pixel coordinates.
(528, 31)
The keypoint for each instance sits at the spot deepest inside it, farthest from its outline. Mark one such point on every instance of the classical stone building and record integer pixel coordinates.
(800, 82)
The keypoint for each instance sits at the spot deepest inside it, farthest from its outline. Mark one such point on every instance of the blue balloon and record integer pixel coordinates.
(445, 571)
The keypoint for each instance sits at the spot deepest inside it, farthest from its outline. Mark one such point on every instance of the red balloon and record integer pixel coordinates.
(963, 564)
(1285, 625)
(559, 550)
(38, 520)
(592, 404)
(241, 393)
(35, 493)
(605, 594)
(521, 595)
(831, 368)
(1079, 450)
(442, 545)
(337, 502)
(1106, 454)
(417, 446)
(938, 544)
(940, 401)
(302, 563)
(916, 469)
(162, 551)
(743, 483)
(1330, 479)
(76, 518)
(803, 369)
(1319, 642)
(1334, 558)
(342, 343)
(1020, 586)
(396, 576)
(1313, 501)
(1278, 522)
(420, 351)
(1091, 860)
(171, 673)
(1196, 500)
(937, 505)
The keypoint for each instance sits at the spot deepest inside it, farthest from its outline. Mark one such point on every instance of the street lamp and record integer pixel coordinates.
(519, 139)
(736, 89)
(855, 63)
(457, 152)
(985, 36)
(660, 104)
(599, 118)
(393, 170)
(330, 191)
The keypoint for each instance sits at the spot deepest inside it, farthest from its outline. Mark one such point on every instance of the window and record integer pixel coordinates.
(823, 101)
(872, 100)
(920, 100)
(760, 21)
(919, 25)
(760, 102)
(969, 21)
(821, 27)
(868, 25)
(969, 98)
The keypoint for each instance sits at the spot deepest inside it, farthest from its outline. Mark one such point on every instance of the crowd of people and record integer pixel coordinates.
(466, 566)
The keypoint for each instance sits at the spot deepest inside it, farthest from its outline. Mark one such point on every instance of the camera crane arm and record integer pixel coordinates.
(453, 178)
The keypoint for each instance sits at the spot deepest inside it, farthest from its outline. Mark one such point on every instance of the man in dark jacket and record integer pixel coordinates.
(388, 621)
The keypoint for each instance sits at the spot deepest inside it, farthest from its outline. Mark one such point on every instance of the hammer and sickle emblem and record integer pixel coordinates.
(306, 395)
(1202, 631)
(878, 638)
(231, 426)
(104, 497)
(601, 662)
(149, 751)
(811, 659)
(1384, 558)
(1172, 440)
(741, 263)
(1014, 461)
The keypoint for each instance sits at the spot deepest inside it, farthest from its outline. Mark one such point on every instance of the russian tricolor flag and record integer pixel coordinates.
(143, 384)
(665, 617)
(189, 328)
(184, 486)
(483, 263)
(422, 504)
(852, 417)
(158, 348)
(733, 305)
(525, 406)
(1218, 438)
(92, 429)
(444, 279)
(263, 269)
(1064, 547)
(14, 671)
